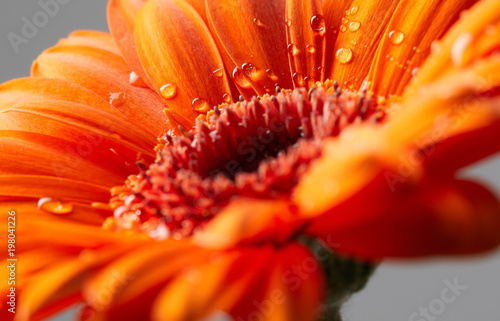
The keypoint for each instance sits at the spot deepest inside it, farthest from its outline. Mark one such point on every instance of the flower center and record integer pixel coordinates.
(258, 149)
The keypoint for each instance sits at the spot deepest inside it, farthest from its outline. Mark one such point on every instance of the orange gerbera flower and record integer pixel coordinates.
(336, 136)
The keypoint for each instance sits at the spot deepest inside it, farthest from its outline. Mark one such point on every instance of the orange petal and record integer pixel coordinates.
(334, 11)
(440, 217)
(291, 289)
(462, 45)
(62, 282)
(253, 34)
(35, 186)
(181, 58)
(121, 22)
(90, 38)
(136, 279)
(106, 74)
(199, 6)
(306, 41)
(360, 28)
(25, 90)
(212, 286)
(407, 40)
(250, 221)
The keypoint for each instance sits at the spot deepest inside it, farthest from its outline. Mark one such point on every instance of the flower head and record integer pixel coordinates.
(248, 159)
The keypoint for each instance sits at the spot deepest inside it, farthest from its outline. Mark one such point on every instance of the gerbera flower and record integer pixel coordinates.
(247, 159)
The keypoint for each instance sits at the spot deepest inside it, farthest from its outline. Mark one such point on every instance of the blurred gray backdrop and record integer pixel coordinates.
(399, 291)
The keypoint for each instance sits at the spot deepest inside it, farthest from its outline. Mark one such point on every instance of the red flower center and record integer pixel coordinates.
(257, 149)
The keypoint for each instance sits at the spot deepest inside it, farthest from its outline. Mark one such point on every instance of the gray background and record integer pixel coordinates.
(397, 290)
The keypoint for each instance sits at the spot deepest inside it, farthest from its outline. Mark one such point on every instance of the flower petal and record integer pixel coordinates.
(181, 58)
(90, 38)
(35, 186)
(106, 74)
(253, 34)
(440, 217)
(136, 279)
(407, 41)
(453, 52)
(250, 221)
(306, 41)
(121, 22)
(360, 28)
(32, 89)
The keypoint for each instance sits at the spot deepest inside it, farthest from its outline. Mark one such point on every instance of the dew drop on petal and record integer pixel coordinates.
(200, 105)
(52, 206)
(354, 26)
(271, 75)
(257, 22)
(288, 23)
(117, 99)
(344, 55)
(318, 24)
(239, 78)
(354, 10)
(135, 80)
(219, 72)
(310, 49)
(345, 20)
(249, 69)
(458, 48)
(343, 28)
(414, 71)
(226, 98)
(309, 81)
(293, 49)
(298, 79)
(168, 91)
(396, 37)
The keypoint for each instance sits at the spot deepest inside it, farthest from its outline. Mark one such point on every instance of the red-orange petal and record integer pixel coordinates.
(121, 22)
(253, 34)
(181, 58)
(306, 41)
(106, 74)
(248, 221)
(462, 45)
(440, 217)
(407, 41)
(359, 28)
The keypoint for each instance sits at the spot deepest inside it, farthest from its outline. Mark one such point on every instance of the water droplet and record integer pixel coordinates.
(293, 49)
(200, 105)
(354, 26)
(168, 91)
(321, 70)
(249, 69)
(354, 10)
(459, 47)
(416, 49)
(135, 80)
(226, 98)
(309, 81)
(117, 99)
(219, 72)
(354, 42)
(347, 12)
(310, 49)
(240, 79)
(345, 20)
(49, 205)
(396, 37)
(288, 23)
(343, 28)
(298, 79)
(414, 71)
(257, 22)
(271, 75)
(344, 55)
(318, 24)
